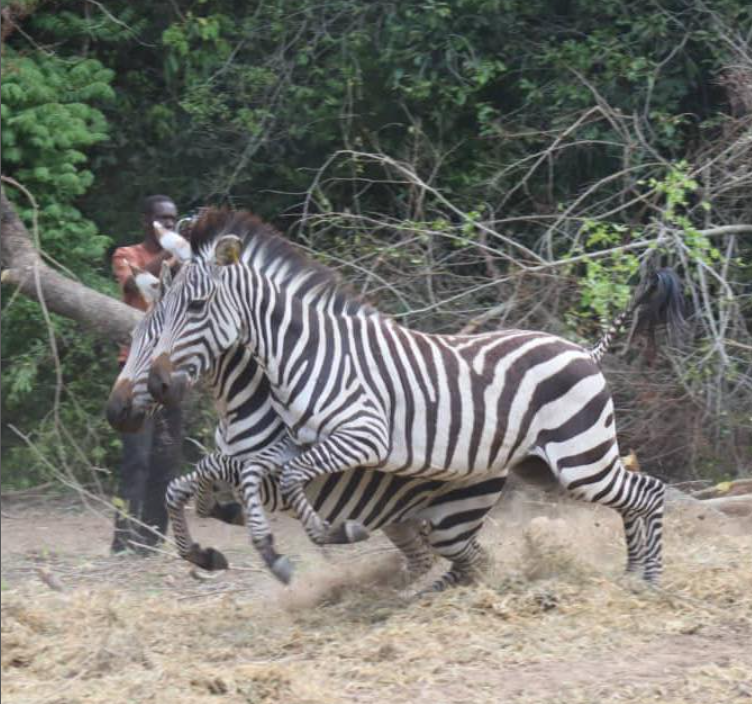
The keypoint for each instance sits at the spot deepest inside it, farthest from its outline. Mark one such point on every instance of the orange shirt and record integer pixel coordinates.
(137, 255)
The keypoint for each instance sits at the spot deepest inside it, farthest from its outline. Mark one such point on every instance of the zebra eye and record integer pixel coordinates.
(197, 305)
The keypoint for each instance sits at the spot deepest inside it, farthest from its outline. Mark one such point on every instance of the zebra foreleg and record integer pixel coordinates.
(258, 527)
(347, 532)
(338, 453)
(230, 512)
(214, 467)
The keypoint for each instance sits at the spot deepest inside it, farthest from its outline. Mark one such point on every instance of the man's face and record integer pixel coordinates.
(165, 213)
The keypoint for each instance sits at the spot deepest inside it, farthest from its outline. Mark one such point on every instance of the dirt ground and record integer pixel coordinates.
(554, 619)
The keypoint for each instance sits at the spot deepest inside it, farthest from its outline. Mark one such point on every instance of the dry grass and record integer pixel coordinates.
(554, 621)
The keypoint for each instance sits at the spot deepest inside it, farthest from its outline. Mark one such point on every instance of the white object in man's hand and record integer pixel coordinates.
(171, 241)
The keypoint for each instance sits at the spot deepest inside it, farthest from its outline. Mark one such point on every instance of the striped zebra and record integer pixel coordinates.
(356, 389)
(422, 518)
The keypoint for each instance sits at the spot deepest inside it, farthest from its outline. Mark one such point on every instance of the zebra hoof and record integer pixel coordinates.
(207, 559)
(356, 532)
(346, 533)
(435, 589)
(282, 569)
(416, 569)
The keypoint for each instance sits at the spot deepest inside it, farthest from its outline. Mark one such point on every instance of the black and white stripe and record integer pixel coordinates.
(356, 389)
(423, 518)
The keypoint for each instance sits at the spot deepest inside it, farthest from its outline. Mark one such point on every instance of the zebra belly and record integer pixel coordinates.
(377, 498)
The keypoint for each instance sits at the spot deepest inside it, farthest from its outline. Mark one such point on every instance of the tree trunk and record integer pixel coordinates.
(23, 267)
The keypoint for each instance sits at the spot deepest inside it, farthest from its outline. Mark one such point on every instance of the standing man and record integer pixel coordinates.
(152, 455)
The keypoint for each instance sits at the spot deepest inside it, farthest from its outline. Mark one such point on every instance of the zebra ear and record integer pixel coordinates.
(227, 250)
(165, 279)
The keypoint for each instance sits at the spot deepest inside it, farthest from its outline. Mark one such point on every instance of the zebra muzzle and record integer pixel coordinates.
(120, 411)
(164, 384)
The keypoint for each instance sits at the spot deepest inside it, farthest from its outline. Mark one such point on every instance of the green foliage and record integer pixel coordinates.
(49, 122)
(677, 188)
(607, 284)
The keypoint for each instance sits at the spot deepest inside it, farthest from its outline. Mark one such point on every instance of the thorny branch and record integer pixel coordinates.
(449, 270)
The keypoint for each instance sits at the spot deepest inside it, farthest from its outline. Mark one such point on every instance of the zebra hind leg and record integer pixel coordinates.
(654, 532)
(179, 492)
(641, 505)
(455, 518)
(644, 532)
(410, 541)
(466, 567)
(457, 541)
(230, 512)
(638, 497)
(634, 534)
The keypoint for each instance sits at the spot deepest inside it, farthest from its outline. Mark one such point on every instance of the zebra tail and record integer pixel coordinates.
(658, 302)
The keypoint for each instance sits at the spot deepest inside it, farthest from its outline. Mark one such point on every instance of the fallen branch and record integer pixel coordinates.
(23, 267)
(15, 493)
(740, 487)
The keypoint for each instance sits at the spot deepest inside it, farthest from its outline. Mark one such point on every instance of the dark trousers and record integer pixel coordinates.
(151, 459)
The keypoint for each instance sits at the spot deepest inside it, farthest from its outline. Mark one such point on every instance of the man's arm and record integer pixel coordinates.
(122, 271)
(155, 265)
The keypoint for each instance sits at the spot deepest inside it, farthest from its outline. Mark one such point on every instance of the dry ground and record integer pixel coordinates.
(554, 620)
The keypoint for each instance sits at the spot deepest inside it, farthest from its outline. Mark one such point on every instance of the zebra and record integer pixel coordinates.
(354, 388)
(422, 518)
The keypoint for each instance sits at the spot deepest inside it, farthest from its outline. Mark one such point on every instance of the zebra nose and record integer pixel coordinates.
(116, 411)
(119, 410)
(160, 379)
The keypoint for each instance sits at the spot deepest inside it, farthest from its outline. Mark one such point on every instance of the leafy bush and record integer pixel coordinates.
(49, 121)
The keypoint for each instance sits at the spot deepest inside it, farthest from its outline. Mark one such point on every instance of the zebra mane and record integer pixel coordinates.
(270, 254)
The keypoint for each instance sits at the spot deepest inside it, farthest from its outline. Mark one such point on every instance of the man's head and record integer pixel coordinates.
(159, 208)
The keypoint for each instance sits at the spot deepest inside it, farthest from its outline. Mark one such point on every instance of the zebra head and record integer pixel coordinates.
(130, 402)
(243, 280)
(201, 322)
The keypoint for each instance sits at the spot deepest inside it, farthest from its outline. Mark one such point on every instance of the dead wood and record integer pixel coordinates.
(24, 268)
(738, 487)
